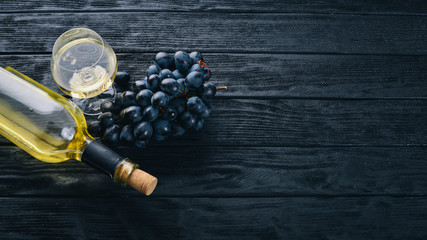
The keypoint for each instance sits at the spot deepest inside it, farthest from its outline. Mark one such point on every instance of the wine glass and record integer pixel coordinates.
(84, 66)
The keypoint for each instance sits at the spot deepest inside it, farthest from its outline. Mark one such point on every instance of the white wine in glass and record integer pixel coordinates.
(83, 67)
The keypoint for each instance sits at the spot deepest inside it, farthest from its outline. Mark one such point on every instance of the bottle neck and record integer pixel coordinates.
(121, 170)
(99, 156)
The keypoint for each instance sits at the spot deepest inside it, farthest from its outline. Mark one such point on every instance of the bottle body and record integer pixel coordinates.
(53, 129)
(39, 120)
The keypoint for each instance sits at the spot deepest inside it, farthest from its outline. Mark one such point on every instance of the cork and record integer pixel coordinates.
(142, 181)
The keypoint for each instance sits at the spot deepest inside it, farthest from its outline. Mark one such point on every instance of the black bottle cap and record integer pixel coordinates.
(101, 157)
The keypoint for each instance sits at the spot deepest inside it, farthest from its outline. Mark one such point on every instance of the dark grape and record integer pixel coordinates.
(181, 86)
(177, 74)
(175, 88)
(171, 98)
(161, 129)
(164, 60)
(150, 113)
(106, 119)
(153, 82)
(188, 120)
(179, 104)
(203, 70)
(166, 73)
(143, 98)
(112, 135)
(177, 130)
(199, 125)
(128, 98)
(207, 75)
(205, 101)
(117, 88)
(206, 112)
(131, 114)
(183, 61)
(118, 100)
(109, 93)
(157, 65)
(143, 131)
(126, 134)
(141, 144)
(153, 69)
(209, 90)
(108, 106)
(194, 79)
(139, 85)
(170, 113)
(195, 105)
(122, 79)
(95, 128)
(199, 91)
(195, 57)
(196, 68)
(169, 86)
(160, 99)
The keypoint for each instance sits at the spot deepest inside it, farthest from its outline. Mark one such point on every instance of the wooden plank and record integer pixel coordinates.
(223, 32)
(217, 218)
(371, 7)
(230, 171)
(316, 123)
(300, 122)
(280, 75)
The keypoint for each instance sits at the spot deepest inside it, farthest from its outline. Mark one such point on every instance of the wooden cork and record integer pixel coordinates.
(142, 181)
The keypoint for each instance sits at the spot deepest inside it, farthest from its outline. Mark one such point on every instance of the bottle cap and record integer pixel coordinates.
(122, 170)
(142, 181)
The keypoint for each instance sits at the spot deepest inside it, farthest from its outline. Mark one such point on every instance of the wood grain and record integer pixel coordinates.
(223, 32)
(214, 218)
(300, 122)
(280, 75)
(371, 7)
(230, 171)
(321, 135)
(316, 123)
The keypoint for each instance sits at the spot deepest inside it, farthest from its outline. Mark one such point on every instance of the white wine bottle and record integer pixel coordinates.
(53, 129)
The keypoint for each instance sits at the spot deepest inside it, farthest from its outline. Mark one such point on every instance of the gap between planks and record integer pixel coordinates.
(219, 11)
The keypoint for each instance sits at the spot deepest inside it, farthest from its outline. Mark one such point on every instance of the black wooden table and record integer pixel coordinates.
(320, 135)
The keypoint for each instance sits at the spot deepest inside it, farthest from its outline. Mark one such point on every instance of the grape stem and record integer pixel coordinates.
(201, 65)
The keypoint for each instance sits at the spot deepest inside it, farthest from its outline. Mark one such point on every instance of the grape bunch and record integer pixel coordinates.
(172, 99)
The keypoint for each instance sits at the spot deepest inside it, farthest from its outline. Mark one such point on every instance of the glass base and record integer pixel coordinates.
(92, 106)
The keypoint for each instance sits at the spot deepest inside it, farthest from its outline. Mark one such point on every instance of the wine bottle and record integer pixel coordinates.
(53, 129)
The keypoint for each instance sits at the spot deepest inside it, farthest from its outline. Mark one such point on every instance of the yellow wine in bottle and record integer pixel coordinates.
(53, 129)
